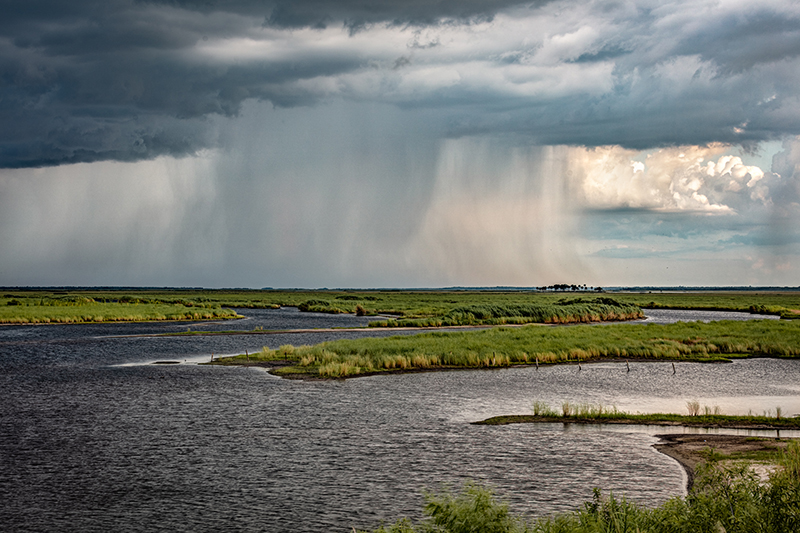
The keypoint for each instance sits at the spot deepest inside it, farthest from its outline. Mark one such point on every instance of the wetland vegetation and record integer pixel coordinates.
(584, 413)
(70, 307)
(533, 345)
(393, 307)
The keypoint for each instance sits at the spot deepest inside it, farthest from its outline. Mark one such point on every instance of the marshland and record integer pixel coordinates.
(390, 307)
(535, 345)
(697, 416)
(94, 433)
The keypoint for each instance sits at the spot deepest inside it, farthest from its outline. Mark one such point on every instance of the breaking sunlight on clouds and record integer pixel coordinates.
(399, 143)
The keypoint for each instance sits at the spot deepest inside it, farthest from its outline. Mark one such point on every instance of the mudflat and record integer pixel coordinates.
(690, 450)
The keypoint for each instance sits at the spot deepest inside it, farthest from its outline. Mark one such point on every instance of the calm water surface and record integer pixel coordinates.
(92, 441)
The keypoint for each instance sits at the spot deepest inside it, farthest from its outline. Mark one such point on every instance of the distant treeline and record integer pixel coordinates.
(565, 287)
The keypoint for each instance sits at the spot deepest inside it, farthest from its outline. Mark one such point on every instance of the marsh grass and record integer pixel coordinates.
(457, 307)
(598, 413)
(505, 346)
(408, 304)
(543, 409)
(72, 309)
(561, 312)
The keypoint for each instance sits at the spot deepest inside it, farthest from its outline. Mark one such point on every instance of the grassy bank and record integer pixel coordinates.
(426, 307)
(784, 304)
(567, 311)
(583, 413)
(420, 305)
(530, 345)
(81, 308)
(725, 498)
(438, 305)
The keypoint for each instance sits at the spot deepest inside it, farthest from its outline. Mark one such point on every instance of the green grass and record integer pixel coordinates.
(724, 498)
(431, 306)
(49, 308)
(561, 312)
(586, 413)
(784, 304)
(529, 345)
(764, 456)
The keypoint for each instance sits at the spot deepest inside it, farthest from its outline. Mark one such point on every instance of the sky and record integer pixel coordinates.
(406, 143)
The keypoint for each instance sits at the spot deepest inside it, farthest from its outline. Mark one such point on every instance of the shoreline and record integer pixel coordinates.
(688, 450)
(273, 367)
(654, 419)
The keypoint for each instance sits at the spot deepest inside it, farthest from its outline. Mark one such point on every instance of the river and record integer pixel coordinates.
(94, 438)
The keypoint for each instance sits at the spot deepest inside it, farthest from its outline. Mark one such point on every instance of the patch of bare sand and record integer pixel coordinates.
(689, 450)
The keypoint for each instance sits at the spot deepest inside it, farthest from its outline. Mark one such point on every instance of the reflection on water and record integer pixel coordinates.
(654, 430)
(668, 316)
(88, 445)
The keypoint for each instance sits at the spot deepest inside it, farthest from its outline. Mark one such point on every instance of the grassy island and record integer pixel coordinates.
(532, 345)
(572, 413)
(76, 307)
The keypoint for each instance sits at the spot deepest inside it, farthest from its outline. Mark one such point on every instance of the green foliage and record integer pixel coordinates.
(318, 306)
(421, 305)
(473, 510)
(596, 413)
(357, 298)
(561, 312)
(786, 304)
(506, 346)
(543, 409)
(45, 308)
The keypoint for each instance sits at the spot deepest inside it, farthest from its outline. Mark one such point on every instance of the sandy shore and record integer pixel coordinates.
(687, 449)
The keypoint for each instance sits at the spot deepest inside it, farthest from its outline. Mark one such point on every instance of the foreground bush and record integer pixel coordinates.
(725, 499)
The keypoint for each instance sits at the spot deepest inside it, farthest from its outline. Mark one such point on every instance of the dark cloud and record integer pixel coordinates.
(736, 43)
(319, 13)
(90, 80)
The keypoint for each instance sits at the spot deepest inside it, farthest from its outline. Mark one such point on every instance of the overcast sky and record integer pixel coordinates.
(377, 143)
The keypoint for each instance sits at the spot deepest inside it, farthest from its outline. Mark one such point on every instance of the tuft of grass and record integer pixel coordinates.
(543, 409)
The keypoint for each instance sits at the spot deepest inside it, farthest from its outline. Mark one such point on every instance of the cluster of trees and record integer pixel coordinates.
(565, 287)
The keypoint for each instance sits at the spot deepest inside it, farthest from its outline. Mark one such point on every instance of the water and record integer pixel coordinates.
(668, 316)
(90, 442)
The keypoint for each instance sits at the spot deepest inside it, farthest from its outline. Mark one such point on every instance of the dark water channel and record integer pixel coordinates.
(94, 439)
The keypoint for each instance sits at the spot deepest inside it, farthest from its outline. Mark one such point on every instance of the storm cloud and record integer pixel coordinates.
(399, 143)
(130, 80)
